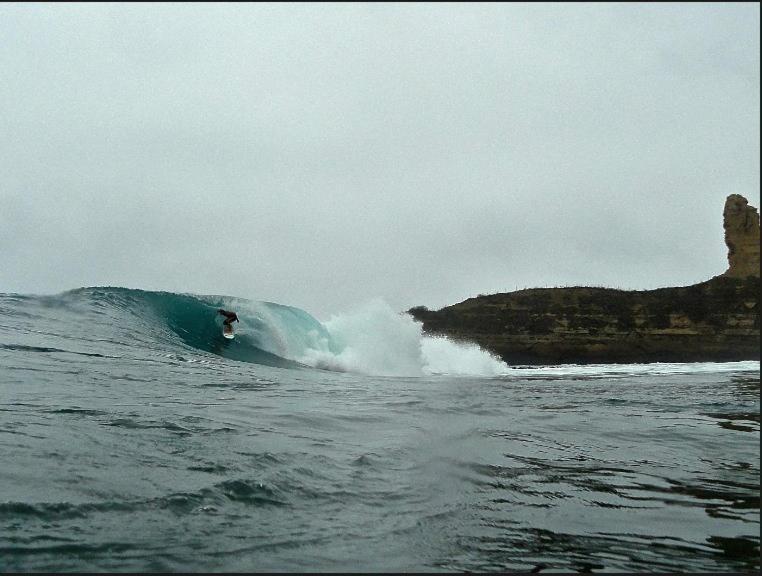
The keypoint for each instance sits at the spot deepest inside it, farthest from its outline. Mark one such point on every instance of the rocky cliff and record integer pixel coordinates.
(716, 320)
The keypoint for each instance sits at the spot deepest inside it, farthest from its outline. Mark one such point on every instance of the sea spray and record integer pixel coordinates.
(371, 339)
(374, 339)
(443, 356)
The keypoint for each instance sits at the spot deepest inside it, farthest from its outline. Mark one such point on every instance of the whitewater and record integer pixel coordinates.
(134, 437)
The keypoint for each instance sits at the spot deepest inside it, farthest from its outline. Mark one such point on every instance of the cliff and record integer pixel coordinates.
(715, 320)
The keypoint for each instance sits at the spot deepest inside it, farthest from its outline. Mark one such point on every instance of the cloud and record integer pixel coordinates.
(323, 155)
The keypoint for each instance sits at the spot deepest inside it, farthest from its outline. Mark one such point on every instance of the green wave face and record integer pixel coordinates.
(268, 333)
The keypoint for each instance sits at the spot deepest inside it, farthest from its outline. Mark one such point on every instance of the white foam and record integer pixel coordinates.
(443, 356)
(374, 339)
(654, 368)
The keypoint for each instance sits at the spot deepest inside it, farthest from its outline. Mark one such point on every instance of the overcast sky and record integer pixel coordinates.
(321, 155)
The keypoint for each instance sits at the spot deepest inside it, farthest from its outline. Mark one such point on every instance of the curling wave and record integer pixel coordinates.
(371, 339)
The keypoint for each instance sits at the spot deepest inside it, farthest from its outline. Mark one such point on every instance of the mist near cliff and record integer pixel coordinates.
(322, 155)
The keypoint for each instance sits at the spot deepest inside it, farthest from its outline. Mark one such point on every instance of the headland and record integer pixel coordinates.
(713, 321)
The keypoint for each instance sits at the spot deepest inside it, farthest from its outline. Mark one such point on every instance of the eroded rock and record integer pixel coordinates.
(741, 223)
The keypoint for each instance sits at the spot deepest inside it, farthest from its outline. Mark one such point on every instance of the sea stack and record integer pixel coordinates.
(741, 223)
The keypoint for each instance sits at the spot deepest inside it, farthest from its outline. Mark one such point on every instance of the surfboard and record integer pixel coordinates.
(227, 332)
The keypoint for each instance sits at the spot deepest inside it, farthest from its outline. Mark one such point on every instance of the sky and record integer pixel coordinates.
(324, 155)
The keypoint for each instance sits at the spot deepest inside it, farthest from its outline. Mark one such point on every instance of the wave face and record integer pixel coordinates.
(372, 339)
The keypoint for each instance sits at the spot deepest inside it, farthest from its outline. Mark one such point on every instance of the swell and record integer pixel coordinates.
(268, 333)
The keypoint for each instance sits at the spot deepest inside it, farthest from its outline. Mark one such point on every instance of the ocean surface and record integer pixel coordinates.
(134, 437)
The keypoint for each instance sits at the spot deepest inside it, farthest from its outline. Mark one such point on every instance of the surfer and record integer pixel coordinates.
(230, 317)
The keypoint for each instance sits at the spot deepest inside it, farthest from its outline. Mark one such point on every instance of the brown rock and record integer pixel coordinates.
(741, 223)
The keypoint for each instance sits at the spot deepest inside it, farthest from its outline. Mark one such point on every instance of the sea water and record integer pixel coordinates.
(134, 437)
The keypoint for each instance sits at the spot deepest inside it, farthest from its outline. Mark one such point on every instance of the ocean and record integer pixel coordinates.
(134, 437)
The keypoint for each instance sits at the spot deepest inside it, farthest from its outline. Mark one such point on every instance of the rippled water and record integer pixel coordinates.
(120, 457)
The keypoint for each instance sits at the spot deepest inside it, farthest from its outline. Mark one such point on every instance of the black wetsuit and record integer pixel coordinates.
(230, 317)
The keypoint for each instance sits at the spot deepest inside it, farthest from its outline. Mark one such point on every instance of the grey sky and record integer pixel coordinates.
(321, 155)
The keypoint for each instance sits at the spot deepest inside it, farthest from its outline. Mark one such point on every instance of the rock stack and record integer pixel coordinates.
(741, 223)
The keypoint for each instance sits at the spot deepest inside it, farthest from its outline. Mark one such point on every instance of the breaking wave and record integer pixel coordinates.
(371, 339)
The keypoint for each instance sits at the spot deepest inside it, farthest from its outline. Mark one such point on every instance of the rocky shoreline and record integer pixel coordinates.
(716, 320)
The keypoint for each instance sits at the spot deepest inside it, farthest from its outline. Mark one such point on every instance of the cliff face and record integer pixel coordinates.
(741, 223)
(716, 320)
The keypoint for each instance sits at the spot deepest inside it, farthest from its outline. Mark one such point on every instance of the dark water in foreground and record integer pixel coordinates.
(119, 453)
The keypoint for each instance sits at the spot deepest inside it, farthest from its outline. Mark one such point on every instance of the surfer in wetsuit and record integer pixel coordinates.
(230, 317)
